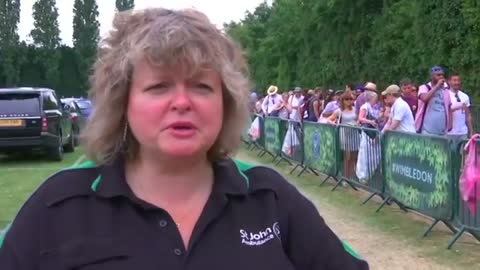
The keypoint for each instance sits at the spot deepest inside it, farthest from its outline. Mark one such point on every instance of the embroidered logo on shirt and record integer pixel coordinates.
(261, 237)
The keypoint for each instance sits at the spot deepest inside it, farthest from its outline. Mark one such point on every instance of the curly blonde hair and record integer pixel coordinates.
(169, 39)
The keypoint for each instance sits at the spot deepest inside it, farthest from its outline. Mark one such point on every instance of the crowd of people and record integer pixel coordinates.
(438, 107)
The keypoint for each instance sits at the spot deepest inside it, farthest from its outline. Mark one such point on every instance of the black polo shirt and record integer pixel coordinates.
(88, 218)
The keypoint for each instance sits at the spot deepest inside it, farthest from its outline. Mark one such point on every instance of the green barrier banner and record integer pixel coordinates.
(418, 173)
(321, 147)
(273, 140)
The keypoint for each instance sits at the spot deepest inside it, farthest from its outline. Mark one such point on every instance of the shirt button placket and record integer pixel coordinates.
(163, 223)
(178, 252)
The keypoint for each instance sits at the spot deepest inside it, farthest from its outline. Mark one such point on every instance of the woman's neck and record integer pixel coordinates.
(164, 180)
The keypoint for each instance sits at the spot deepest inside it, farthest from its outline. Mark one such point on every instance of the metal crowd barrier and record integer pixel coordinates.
(292, 144)
(320, 142)
(414, 171)
(464, 219)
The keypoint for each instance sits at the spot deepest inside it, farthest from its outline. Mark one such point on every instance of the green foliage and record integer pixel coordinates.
(333, 42)
(326, 162)
(46, 36)
(123, 5)
(10, 59)
(86, 35)
(430, 150)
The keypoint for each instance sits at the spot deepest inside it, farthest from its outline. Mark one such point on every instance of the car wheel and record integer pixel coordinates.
(76, 138)
(70, 146)
(56, 152)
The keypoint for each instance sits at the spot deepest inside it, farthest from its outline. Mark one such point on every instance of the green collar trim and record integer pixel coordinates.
(3, 233)
(242, 167)
(95, 183)
(85, 165)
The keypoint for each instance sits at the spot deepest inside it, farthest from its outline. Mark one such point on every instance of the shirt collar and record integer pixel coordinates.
(228, 179)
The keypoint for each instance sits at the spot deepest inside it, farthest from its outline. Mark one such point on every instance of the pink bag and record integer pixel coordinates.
(470, 178)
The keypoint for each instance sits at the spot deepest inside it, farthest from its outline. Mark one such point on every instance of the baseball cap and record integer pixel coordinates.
(297, 89)
(437, 69)
(392, 89)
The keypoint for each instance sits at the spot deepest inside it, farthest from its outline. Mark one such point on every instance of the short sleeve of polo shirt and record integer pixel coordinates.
(399, 111)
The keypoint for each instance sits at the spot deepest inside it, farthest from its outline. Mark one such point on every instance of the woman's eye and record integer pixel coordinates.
(204, 87)
(157, 87)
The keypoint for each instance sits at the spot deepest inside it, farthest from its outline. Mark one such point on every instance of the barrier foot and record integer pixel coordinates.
(474, 234)
(401, 206)
(261, 153)
(338, 184)
(352, 186)
(295, 168)
(450, 226)
(302, 171)
(313, 171)
(385, 202)
(430, 228)
(325, 180)
(369, 198)
(456, 237)
(282, 159)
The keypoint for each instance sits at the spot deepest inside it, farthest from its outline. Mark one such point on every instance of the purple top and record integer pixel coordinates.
(412, 103)
(361, 99)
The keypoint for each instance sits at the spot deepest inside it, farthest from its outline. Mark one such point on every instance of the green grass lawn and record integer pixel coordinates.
(404, 228)
(20, 176)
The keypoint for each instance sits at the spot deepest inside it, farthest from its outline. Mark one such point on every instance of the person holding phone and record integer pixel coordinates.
(434, 112)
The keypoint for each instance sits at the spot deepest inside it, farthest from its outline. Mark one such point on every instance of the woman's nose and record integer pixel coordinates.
(181, 99)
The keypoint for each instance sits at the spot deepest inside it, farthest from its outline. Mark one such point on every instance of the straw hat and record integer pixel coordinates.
(369, 86)
(272, 90)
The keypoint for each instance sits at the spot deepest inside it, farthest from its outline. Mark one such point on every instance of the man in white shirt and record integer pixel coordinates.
(271, 103)
(401, 116)
(296, 102)
(461, 116)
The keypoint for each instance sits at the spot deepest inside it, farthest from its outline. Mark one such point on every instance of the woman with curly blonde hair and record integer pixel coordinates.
(161, 190)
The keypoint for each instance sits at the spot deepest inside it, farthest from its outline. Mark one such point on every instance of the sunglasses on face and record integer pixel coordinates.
(348, 99)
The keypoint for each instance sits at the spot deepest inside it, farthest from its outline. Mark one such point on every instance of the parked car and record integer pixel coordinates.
(85, 106)
(78, 120)
(34, 119)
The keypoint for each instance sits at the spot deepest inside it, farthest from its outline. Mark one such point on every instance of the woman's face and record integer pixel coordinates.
(374, 100)
(348, 101)
(172, 115)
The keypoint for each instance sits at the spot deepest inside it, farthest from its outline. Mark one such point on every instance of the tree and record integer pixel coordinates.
(123, 5)
(85, 36)
(46, 37)
(334, 42)
(9, 40)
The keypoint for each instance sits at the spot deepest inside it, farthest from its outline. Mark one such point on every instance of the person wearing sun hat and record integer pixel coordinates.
(401, 116)
(272, 102)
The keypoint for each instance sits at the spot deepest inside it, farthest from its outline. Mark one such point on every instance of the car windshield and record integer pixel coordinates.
(19, 103)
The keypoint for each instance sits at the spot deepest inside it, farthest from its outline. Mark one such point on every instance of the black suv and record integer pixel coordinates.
(32, 119)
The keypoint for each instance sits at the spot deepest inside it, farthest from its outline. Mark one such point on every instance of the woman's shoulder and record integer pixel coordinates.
(262, 178)
(70, 182)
